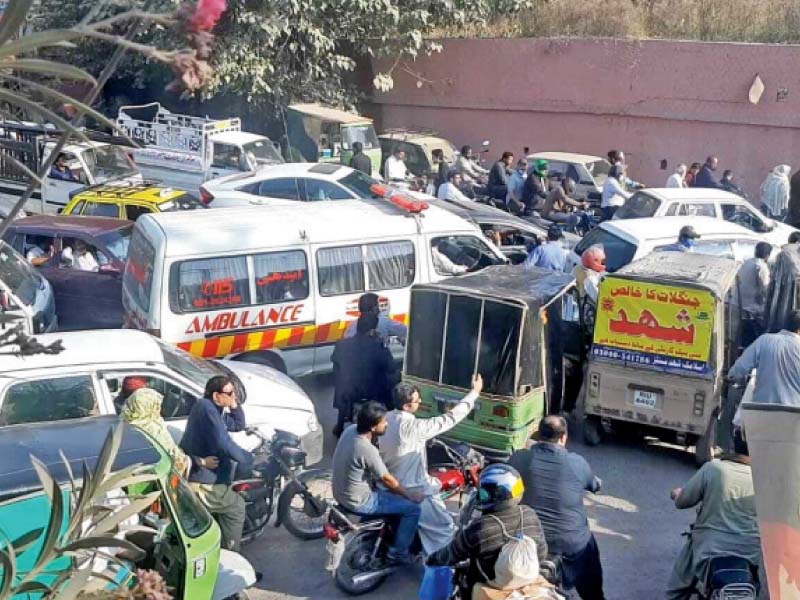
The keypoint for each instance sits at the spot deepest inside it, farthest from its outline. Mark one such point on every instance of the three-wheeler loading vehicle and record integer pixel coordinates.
(506, 323)
(666, 332)
(318, 133)
(180, 539)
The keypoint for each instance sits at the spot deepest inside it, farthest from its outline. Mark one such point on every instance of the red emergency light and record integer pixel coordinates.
(400, 200)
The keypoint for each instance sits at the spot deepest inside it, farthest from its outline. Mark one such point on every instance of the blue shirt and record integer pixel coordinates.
(207, 435)
(776, 356)
(555, 480)
(548, 256)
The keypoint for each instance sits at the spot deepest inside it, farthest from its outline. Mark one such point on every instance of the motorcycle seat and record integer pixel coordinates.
(729, 570)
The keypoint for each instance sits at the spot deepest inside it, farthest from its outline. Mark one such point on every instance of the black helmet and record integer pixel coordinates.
(500, 487)
(688, 232)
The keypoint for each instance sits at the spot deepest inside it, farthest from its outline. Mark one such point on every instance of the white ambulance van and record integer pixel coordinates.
(279, 286)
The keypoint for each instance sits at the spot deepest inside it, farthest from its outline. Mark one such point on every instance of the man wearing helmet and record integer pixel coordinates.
(686, 240)
(534, 192)
(480, 542)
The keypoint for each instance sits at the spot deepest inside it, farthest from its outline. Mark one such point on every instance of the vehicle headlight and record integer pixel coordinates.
(313, 423)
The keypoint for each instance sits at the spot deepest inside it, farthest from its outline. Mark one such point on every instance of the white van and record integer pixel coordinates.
(626, 240)
(704, 202)
(88, 378)
(279, 285)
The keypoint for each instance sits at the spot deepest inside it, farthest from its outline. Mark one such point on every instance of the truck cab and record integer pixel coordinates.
(183, 151)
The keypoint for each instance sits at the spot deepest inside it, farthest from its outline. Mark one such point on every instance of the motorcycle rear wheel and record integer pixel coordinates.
(356, 560)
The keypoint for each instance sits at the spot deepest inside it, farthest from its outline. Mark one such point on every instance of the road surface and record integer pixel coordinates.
(637, 528)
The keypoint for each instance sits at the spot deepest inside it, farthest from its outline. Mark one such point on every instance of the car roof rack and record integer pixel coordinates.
(124, 190)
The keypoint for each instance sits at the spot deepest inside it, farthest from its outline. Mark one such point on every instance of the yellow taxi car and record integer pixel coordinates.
(129, 201)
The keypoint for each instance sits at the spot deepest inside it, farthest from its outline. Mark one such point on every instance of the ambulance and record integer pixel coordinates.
(279, 286)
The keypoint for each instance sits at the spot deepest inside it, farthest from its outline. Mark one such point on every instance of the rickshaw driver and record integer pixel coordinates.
(403, 451)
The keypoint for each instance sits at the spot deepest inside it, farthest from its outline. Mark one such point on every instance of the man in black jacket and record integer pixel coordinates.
(207, 435)
(363, 369)
(499, 498)
(497, 186)
(535, 190)
(360, 161)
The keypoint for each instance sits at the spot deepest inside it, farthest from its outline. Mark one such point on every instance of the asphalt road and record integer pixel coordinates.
(637, 528)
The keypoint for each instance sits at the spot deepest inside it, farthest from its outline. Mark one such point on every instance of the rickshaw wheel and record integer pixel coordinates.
(704, 448)
(592, 431)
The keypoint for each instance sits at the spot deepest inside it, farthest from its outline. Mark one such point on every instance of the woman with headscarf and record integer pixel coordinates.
(775, 192)
(143, 410)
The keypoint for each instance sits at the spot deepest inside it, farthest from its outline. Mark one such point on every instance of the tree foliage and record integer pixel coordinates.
(273, 52)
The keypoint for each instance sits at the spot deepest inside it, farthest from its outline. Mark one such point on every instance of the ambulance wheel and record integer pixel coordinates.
(268, 359)
(592, 431)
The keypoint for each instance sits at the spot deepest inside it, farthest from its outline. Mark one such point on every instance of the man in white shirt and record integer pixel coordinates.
(614, 195)
(41, 252)
(450, 190)
(80, 258)
(442, 263)
(395, 167)
(402, 448)
(676, 180)
(471, 172)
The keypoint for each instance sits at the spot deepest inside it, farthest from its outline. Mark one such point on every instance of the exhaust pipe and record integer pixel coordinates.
(363, 578)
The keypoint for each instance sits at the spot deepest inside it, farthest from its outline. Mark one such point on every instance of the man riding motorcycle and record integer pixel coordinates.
(480, 542)
(403, 451)
(726, 523)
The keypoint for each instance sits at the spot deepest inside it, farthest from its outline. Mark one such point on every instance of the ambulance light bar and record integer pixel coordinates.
(404, 201)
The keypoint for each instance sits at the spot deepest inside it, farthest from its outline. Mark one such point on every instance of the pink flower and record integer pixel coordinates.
(207, 13)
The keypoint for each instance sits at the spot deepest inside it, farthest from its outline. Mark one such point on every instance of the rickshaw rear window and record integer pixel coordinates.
(499, 345)
(192, 515)
(424, 354)
(461, 342)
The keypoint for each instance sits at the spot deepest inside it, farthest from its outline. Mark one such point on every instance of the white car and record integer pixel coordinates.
(87, 378)
(288, 183)
(704, 202)
(588, 172)
(626, 240)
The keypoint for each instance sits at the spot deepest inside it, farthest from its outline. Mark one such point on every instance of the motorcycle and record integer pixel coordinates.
(279, 479)
(357, 544)
(730, 578)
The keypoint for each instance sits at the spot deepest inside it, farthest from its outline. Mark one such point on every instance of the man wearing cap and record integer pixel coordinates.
(550, 255)
(686, 240)
(534, 192)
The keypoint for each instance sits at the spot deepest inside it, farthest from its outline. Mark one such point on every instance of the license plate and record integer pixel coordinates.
(645, 399)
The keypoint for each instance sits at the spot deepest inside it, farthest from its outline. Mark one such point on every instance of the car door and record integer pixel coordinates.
(87, 299)
(226, 159)
(178, 399)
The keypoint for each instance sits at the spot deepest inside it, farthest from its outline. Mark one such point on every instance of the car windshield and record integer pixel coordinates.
(117, 242)
(108, 162)
(359, 133)
(18, 275)
(638, 206)
(262, 152)
(598, 167)
(182, 202)
(194, 369)
(360, 184)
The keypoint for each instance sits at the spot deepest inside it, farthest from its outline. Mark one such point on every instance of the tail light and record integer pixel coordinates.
(451, 479)
(594, 384)
(501, 411)
(206, 197)
(699, 403)
(241, 487)
(330, 532)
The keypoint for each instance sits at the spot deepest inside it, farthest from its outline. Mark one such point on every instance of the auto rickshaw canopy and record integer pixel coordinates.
(80, 440)
(326, 113)
(490, 322)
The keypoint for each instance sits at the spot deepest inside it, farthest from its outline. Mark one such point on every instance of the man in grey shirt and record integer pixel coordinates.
(776, 357)
(753, 288)
(357, 465)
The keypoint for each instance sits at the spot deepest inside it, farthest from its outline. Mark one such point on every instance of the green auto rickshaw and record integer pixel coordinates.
(178, 536)
(318, 133)
(507, 323)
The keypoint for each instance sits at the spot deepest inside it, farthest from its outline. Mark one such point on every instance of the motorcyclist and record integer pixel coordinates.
(499, 175)
(403, 449)
(363, 369)
(450, 190)
(560, 207)
(535, 190)
(726, 521)
(589, 273)
(499, 496)
(471, 172)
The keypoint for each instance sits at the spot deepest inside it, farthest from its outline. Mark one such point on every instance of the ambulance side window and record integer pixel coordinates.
(209, 284)
(341, 270)
(281, 276)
